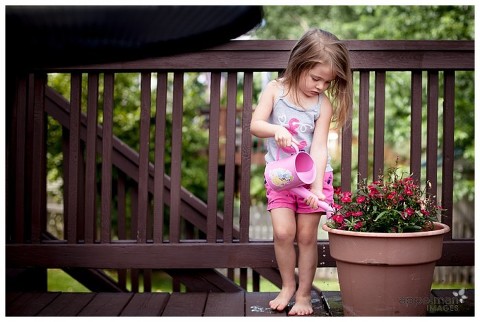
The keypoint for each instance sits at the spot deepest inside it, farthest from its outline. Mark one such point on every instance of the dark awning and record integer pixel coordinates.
(41, 36)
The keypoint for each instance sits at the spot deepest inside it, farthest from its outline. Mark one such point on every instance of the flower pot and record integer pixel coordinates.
(386, 274)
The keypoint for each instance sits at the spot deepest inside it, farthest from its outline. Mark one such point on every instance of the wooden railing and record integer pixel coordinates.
(163, 226)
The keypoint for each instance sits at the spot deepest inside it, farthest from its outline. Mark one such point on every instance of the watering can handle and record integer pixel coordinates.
(295, 146)
(305, 193)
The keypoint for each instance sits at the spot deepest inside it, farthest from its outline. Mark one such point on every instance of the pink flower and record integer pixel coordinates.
(361, 199)
(407, 213)
(373, 191)
(347, 197)
(338, 218)
(358, 225)
(408, 191)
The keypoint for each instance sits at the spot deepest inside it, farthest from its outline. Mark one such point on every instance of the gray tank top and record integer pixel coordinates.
(299, 122)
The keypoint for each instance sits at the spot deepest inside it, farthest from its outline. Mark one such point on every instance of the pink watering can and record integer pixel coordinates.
(292, 173)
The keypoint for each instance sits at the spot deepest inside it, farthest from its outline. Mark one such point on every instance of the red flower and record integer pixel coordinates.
(373, 191)
(407, 213)
(361, 199)
(338, 218)
(357, 214)
(358, 225)
(408, 191)
(347, 197)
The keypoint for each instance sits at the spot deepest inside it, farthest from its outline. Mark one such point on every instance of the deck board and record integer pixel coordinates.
(225, 304)
(250, 304)
(446, 303)
(185, 304)
(67, 304)
(334, 302)
(106, 304)
(318, 305)
(256, 304)
(146, 304)
(29, 304)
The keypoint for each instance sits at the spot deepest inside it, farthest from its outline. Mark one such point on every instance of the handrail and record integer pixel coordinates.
(268, 55)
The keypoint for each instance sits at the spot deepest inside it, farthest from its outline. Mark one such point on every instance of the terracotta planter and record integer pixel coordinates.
(382, 274)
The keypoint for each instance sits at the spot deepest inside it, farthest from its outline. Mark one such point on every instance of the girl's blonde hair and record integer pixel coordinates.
(319, 46)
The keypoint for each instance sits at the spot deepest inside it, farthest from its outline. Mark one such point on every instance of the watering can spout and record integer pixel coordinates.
(305, 193)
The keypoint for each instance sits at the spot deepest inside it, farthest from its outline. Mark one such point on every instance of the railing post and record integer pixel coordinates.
(143, 161)
(448, 148)
(159, 172)
(363, 125)
(416, 125)
(107, 136)
(246, 154)
(213, 156)
(379, 126)
(432, 131)
(39, 159)
(90, 156)
(176, 171)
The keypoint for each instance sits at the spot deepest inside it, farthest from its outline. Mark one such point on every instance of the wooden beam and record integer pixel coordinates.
(273, 55)
(184, 255)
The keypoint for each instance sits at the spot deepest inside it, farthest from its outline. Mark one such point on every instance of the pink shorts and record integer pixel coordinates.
(287, 199)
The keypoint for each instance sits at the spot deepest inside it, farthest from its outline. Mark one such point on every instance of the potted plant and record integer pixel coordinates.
(385, 239)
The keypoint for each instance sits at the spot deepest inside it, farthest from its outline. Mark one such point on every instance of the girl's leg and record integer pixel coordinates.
(284, 230)
(307, 228)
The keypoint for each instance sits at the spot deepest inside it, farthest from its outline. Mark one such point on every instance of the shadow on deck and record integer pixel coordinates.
(250, 304)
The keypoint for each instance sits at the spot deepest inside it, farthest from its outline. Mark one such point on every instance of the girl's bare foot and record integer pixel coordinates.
(282, 299)
(302, 306)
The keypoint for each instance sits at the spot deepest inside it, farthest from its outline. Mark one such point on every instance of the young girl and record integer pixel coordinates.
(295, 110)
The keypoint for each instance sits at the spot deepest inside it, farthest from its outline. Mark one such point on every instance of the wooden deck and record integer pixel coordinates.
(250, 304)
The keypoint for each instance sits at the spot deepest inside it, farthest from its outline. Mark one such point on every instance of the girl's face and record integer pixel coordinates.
(316, 80)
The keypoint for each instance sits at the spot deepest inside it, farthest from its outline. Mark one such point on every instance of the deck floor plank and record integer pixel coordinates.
(67, 304)
(225, 304)
(11, 296)
(106, 304)
(146, 304)
(185, 304)
(318, 306)
(30, 304)
(334, 302)
(253, 304)
(452, 302)
(256, 304)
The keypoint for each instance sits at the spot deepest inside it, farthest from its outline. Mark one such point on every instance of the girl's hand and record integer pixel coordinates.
(283, 137)
(312, 201)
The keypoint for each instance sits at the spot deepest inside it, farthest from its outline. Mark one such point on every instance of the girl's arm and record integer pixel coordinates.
(260, 126)
(319, 149)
